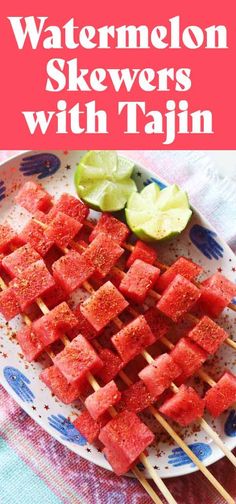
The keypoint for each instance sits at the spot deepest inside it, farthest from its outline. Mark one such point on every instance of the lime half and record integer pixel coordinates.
(155, 214)
(103, 180)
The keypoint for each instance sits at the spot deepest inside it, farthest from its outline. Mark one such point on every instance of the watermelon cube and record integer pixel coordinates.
(88, 427)
(50, 327)
(133, 338)
(33, 233)
(62, 229)
(72, 270)
(222, 395)
(30, 344)
(83, 327)
(188, 356)
(54, 296)
(7, 237)
(112, 227)
(179, 298)
(216, 293)
(208, 335)
(33, 197)
(103, 306)
(138, 281)
(77, 360)
(16, 262)
(101, 400)
(112, 364)
(125, 437)
(135, 398)
(9, 306)
(158, 323)
(183, 266)
(159, 375)
(142, 251)
(103, 253)
(32, 283)
(71, 206)
(184, 407)
(64, 391)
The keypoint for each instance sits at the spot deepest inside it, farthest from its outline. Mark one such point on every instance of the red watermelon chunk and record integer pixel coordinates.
(32, 283)
(54, 296)
(138, 281)
(184, 407)
(7, 237)
(29, 342)
(135, 398)
(179, 298)
(33, 197)
(50, 327)
(142, 251)
(112, 227)
(62, 229)
(72, 270)
(16, 262)
(83, 327)
(64, 391)
(9, 306)
(216, 293)
(159, 375)
(103, 252)
(125, 437)
(133, 338)
(183, 266)
(112, 364)
(33, 233)
(77, 360)
(101, 400)
(158, 323)
(188, 356)
(208, 335)
(88, 427)
(222, 395)
(71, 206)
(103, 306)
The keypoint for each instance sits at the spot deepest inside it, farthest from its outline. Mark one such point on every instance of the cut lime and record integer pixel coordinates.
(155, 214)
(103, 180)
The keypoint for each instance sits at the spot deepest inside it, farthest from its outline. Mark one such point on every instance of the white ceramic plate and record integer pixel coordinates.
(55, 171)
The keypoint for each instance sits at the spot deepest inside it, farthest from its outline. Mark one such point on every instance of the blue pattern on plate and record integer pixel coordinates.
(43, 165)
(178, 457)
(19, 383)
(67, 429)
(204, 240)
(157, 181)
(2, 190)
(230, 424)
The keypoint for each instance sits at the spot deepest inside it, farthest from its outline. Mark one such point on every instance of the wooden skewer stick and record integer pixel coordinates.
(161, 420)
(157, 263)
(95, 385)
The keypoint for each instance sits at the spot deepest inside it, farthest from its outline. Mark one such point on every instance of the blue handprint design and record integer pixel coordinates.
(67, 429)
(19, 383)
(2, 190)
(204, 240)
(179, 457)
(43, 165)
(230, 424)
(157, 181)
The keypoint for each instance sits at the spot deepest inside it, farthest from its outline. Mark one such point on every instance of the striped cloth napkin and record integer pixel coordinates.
(34, 467)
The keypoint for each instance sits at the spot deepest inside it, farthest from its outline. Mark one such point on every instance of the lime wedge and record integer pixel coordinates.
(155, 214)
(103, 180)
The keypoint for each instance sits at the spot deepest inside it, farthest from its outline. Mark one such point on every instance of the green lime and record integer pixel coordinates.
(103, 180)
(155, 214)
